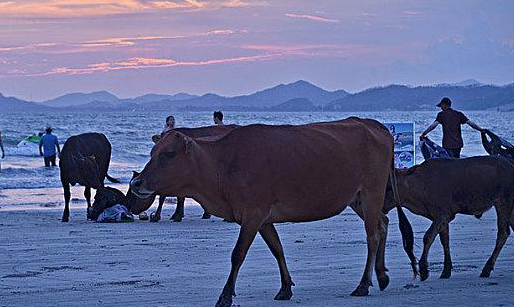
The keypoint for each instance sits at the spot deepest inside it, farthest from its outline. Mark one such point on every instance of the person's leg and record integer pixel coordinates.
(47, 161)
(52, 160)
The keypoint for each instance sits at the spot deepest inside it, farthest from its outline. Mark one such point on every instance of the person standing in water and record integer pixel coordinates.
(3, 150)
(169, 125)
(218, 118)
(451, 120)
(47, 146)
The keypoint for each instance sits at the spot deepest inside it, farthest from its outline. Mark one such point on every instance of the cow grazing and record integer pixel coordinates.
(259, 175)
(84, 160)
(178, 215)
(438, 189)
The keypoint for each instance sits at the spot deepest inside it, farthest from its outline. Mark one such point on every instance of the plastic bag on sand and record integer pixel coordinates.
(115, 214)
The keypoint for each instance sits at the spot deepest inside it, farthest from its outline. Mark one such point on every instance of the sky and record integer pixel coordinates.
(232, 47)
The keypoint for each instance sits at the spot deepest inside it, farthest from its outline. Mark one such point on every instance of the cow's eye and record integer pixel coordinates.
(168, 154)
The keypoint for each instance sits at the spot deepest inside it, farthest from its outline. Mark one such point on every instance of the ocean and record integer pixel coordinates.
(26, 183)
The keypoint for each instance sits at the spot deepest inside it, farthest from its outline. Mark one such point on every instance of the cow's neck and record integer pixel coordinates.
(206, 187)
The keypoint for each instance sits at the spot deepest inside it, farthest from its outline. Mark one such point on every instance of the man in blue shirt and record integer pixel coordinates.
(47, 147)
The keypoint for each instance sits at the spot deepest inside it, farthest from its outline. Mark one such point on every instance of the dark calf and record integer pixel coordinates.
(439, 189)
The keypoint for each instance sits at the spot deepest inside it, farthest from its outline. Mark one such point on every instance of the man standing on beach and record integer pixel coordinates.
(3, 151)
(451, 120)
(47, 147)
(218, 118)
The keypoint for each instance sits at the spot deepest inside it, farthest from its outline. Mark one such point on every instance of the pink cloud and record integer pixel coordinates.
(313, 18)
(145, 63)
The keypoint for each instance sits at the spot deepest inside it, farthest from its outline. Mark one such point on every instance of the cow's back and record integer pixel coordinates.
(461, 183)
(314, 163)
(86, 144)
(208, 131)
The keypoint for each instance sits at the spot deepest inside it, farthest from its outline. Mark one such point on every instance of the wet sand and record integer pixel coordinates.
(48, 263)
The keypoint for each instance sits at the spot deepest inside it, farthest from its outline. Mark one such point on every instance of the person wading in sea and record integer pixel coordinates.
(47, 147)
(169, 125)
(3, 151)
(451, 120)
(218, 118)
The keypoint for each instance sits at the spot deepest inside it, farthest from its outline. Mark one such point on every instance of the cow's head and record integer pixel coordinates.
(135, 204)
(171, 169)
(88, 170)
(105, 197)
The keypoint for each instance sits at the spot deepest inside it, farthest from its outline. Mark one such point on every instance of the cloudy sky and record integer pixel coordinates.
(229, 47)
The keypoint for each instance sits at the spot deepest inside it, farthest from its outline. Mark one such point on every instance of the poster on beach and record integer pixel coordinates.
(404, 151)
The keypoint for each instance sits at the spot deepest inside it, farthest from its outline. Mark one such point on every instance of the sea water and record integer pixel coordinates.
(26, 183)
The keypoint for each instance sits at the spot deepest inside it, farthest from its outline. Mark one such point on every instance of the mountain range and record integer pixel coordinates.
(298, 96)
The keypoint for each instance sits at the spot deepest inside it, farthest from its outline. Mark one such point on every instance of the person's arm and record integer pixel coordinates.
(430, 128)
(41, 147)
(2, 145)
(475, 126)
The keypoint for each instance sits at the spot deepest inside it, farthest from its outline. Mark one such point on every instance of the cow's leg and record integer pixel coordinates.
(444, 236)
(206, 215)
(156, 216)
(428, 239)
(249, 228)
(270, 236)
(67, 196)
(380, 267)
(503, 211)
(372, 210)
(87, 195)
(179, 210)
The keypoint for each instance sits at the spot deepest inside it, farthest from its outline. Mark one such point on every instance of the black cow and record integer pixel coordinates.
(84, 160)
(441, 188)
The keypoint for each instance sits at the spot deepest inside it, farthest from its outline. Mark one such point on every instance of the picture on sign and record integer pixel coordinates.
(404, 150)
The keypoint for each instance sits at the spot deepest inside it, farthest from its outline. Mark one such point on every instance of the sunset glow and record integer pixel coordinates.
(206, 46)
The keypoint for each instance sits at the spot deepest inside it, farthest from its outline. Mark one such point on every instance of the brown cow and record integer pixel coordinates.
(259, 175)
(438, 189)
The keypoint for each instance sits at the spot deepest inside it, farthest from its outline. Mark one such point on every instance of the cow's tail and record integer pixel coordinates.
(111, 179)
(405, 226)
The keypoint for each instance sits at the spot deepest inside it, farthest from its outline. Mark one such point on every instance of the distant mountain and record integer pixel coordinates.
(298, 96)
(284, 92)
(296, 105)
(152, 98)
(401, 97)
(467, 82)
(11, 104)
(76, 99)
(262, 99)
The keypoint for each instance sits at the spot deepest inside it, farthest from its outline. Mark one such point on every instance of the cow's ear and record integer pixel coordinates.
(189, 144)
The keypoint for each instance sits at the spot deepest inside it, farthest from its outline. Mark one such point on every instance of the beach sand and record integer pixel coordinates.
(48, 263)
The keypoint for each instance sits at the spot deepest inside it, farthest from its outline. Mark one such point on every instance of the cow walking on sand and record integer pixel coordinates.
(84, 160)
(259, 175)
(439, 189)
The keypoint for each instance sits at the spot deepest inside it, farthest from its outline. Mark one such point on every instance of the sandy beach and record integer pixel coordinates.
(49, 263)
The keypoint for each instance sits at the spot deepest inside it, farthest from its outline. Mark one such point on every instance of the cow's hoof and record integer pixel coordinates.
(423, 273)
(360, 291)
(485, 273)
(176, 218)
(284, 294)
(224, 301)
(446, 274)
(65, 219)
(154, 217)
(206, 216)
(383, 282)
